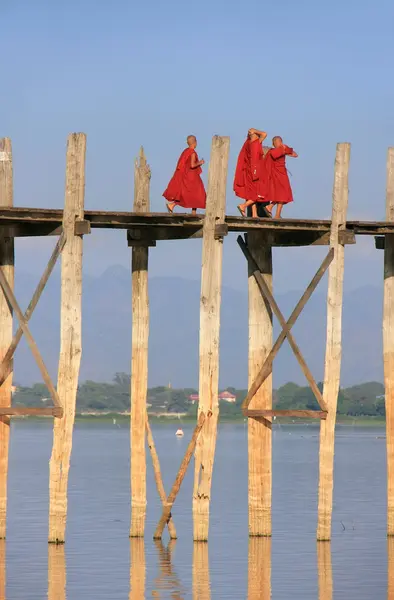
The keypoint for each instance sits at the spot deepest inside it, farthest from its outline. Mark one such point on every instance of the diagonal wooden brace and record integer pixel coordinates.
(5, 366)
(158, 478)
(179, 478)
(9, 294)
(266, 292)
(266, 369)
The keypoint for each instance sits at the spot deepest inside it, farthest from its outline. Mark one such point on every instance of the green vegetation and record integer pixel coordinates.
(364, 400)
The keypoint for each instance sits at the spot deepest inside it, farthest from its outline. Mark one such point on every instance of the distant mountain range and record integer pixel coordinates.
(174, 325)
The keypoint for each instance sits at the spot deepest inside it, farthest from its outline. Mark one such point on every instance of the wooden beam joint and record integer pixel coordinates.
(221, 230)
(82, 227)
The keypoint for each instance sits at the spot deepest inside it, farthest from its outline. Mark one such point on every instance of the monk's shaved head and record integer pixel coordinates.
(191, 139)
(277, 141)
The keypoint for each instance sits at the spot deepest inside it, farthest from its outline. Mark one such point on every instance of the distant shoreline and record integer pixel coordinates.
(175, 420)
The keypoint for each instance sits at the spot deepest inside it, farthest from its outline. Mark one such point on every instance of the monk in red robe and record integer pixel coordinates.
(250, 182)
(186, 187)
(278, 184)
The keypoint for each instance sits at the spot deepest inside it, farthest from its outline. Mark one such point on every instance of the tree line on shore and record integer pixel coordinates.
(366, 399)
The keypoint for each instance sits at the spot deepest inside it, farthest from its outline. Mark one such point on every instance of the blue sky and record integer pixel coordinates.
(132, 73)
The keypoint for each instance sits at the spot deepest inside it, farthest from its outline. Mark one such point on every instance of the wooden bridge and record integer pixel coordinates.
(143, 230)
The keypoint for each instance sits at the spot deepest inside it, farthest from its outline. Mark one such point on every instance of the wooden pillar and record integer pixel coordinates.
(390, 568)
(7, 265)
(139, 356)
(211, 291)
(70, 336)
(388, 341)
(259, 429)
(332, 366)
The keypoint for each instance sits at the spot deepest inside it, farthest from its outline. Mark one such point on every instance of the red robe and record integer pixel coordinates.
(186, 187)
(250, 181)
(279, 189)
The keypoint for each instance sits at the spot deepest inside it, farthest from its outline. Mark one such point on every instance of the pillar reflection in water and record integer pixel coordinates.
(324, 569)
(167, 580)
(137, 569)
(56, 572)
(201, 578)
(259, 568)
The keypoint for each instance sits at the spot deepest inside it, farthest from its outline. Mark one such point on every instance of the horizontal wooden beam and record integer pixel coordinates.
(285, 239)
(33, 229)
(298, 414)
(30, 411)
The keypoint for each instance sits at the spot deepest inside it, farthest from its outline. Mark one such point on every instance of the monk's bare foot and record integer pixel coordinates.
(170, 207)
(241, 210)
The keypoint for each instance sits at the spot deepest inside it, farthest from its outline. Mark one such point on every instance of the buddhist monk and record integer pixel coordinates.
(278, 184)
(186, 187)
(250, 182)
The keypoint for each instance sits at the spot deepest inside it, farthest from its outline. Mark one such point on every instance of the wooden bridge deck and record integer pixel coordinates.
(23, 222)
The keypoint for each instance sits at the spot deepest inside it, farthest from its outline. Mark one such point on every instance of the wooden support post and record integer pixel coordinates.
(70, 337)
(259, 569)
(333, 343)
(167, 507)
(158, 477)
(211, 291)
(388, 340)
(259, 430)
(324, 569)
(7, 266)
(139, 356)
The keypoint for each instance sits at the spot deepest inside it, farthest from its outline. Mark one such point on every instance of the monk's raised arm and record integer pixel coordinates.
(262, 134)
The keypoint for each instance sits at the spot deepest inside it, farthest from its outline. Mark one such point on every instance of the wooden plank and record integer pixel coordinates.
(158, 477)
(266, 369)
(139, 356)
(70, 336)
(297, 413)
(167, 507)
(210, 302)
(30, 411)
(332, 367)
(264, 288)
(388, 341)
(7, 265)
(6, 365)
(259, 431)
(29, 338)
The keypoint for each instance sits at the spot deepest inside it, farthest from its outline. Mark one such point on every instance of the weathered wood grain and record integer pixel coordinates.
(70, 337)
(332, 368)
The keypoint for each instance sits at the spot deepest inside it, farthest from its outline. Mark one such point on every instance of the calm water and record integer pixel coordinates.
(95, 563)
